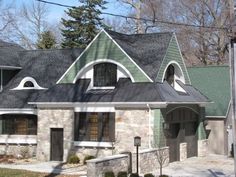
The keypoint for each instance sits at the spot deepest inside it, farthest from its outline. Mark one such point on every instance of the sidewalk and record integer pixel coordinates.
(210, 166)
(49, 167)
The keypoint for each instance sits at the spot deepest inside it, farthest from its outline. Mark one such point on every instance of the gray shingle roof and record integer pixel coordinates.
(125, 91)
(147, 50)
(9, 54)
(45, 66)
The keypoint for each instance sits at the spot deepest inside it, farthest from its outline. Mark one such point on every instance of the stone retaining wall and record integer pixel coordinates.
(149, 160)
(98, 167)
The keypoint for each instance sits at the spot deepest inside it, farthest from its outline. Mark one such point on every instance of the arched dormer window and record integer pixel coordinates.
(28, 83)
(105, 75)
(174, 73)
(170, 73)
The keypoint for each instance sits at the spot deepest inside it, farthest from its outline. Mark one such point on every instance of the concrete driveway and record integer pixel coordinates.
(210, 166)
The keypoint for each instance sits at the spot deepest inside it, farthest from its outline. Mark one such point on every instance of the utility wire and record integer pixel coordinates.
(141, 19)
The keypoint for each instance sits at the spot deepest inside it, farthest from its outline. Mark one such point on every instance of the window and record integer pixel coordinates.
(18, 124)
(28, 84)
(105, 75)
(170, 74)
(98, 127)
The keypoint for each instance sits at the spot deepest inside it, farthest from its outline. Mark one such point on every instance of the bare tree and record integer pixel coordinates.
(6, 17)
(203, 44)
(30, 22)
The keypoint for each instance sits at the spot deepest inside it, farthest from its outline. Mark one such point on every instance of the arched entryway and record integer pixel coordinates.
(181, 127)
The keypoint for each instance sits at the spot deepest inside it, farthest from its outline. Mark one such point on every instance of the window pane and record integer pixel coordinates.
(94, 126)
(105, 74)
(105, 127)
(18, 124)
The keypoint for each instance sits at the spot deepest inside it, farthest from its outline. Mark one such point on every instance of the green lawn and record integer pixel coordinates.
(23, 173)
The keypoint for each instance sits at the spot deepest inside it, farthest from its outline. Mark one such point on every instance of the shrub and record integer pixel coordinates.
(122, 174)
(149, 175)
(109, 174)
(134, 175)
(73, 159)
(88, 157)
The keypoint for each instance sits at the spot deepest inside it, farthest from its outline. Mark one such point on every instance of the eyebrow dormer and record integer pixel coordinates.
(28, 83)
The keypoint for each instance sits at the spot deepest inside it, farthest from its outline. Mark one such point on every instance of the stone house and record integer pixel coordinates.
(96, 100)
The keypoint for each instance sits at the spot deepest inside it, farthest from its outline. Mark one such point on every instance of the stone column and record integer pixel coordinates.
(183, 151)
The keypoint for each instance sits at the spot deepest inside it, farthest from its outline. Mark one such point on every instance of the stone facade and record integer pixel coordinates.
(131, 123)
(183, 151)
(54, 118)
(116, 163)
(18, 150)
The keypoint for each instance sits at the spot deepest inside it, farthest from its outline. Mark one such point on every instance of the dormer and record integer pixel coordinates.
(28, 83)
(103, 74)
(172, 74)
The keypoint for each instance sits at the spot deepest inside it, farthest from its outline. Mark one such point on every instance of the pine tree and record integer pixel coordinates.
(46, 41)
(83, 24)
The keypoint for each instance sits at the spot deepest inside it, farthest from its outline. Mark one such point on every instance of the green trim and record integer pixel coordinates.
(103, 47)
(173, 54)
(159, 137)
(201, 130)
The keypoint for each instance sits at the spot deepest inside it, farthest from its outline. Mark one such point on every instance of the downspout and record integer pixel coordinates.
(149, 126)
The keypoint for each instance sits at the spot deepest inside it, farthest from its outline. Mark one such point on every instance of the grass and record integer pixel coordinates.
(4, 172)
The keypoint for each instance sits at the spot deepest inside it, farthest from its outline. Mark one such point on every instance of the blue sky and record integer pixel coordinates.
(56, 12)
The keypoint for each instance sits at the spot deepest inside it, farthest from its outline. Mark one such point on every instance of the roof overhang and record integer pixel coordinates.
(102, 104)
(10, 67)
(18, 111)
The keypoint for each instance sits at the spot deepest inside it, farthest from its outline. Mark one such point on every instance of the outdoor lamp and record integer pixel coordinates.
(137, 143)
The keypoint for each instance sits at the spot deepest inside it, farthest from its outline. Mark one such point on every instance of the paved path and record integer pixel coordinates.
(210, 166)
(49, 167)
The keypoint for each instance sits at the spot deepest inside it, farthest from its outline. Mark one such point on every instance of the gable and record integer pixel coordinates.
(104, 47)
(174, 55)
(214, 82)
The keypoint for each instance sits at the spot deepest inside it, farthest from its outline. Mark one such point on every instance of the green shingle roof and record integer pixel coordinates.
(213, 82)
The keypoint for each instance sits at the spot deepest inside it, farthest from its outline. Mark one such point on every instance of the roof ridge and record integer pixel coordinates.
(139, 34)
(48, 50)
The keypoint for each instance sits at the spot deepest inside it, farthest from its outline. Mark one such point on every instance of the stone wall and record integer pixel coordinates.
(131, 123)
(98, 167)
(217, 135)
(183, 151)
(203, 148)
(54, 118)
(150, 159)
(18, 150)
